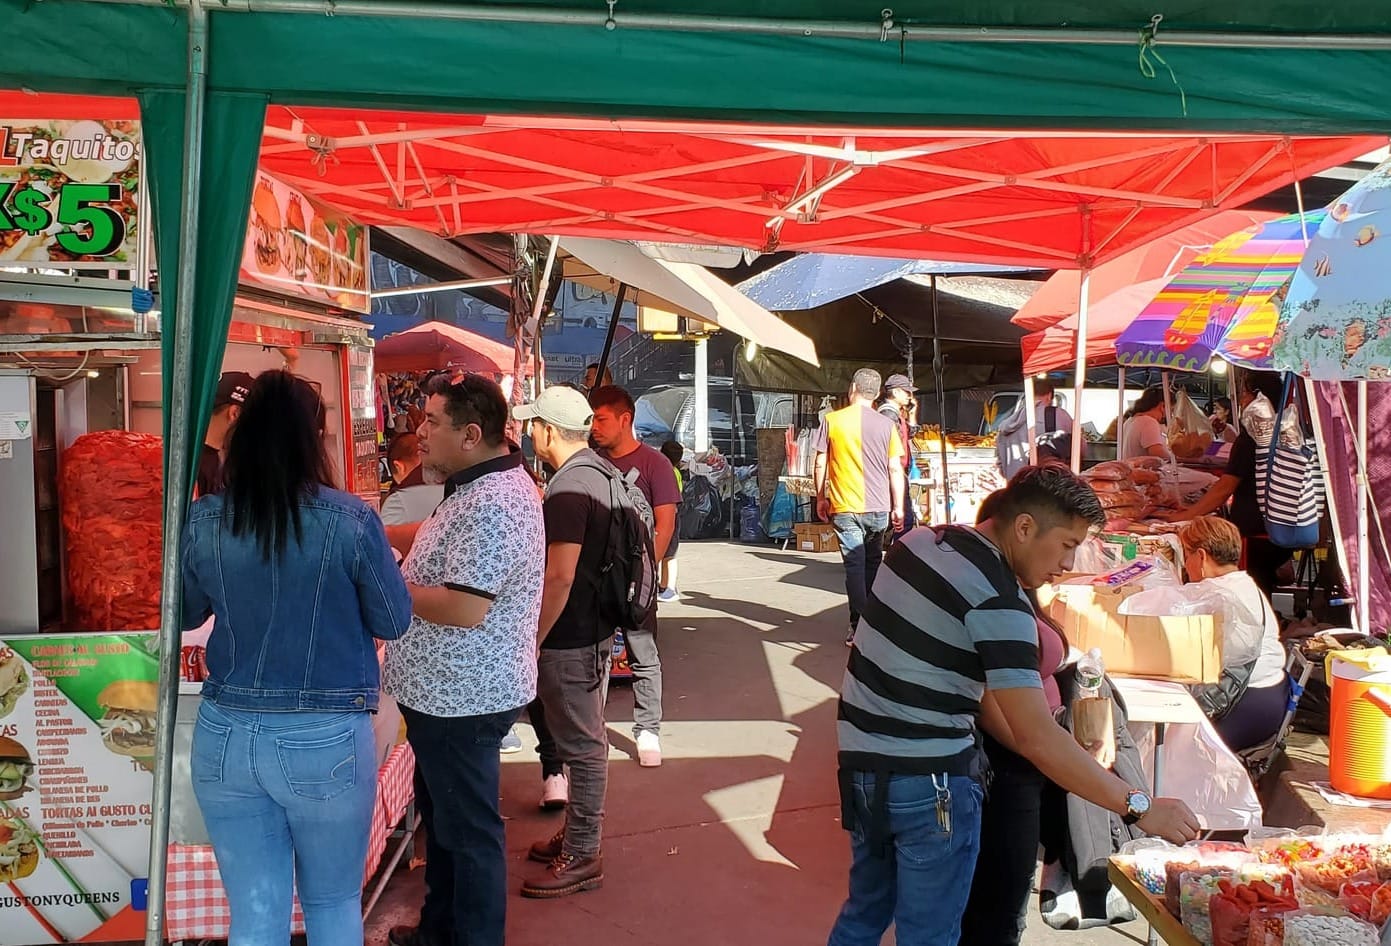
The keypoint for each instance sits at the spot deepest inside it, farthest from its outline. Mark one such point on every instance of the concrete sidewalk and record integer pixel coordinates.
(736, 838)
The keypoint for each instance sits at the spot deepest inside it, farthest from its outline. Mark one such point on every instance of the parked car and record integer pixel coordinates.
(667, 412)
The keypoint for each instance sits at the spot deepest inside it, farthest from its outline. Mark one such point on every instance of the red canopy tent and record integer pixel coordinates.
(1056, 299)
(1049, 200)
(1055, 348)
(436, 345)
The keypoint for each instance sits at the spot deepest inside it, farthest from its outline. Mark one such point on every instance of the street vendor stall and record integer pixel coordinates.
(81, 455)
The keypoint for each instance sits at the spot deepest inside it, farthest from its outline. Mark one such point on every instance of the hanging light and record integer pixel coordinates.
(1219, 367)
(1041, 376)
(750, 351)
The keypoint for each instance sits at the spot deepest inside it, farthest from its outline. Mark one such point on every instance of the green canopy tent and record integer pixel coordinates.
(1267, 65)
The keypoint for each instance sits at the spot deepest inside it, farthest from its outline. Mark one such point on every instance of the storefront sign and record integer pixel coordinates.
(76, 753)
(69, 193)
(297, 246)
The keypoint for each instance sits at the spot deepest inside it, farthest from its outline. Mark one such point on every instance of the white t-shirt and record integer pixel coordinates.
(1250, 630)
(1141, 433)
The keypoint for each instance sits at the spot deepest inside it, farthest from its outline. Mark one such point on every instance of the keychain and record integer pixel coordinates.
(943, 802)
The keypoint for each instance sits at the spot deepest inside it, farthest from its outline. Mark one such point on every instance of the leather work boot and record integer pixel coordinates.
(543, 852)
(563, 876)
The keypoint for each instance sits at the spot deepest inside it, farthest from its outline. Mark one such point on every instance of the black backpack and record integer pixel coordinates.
(627, 577)
(1054, 443)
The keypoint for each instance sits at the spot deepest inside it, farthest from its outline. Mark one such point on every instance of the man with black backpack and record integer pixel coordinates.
(656, 479)
(600, 573)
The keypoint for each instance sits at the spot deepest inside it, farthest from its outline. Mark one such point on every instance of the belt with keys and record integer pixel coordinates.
(943, 789)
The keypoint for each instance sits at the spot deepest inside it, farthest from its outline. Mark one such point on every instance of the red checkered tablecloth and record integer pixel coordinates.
(196, 905)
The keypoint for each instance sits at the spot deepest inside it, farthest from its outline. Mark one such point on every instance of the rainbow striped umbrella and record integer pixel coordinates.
(1224, 303)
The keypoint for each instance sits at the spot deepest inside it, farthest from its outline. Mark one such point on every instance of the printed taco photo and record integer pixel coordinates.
(19, 850)
(128, 726)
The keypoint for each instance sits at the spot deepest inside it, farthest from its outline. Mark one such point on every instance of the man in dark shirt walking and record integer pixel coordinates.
(575, 642)
(613, 435)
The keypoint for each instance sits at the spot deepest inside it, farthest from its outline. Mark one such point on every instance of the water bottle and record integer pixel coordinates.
(1090, 672)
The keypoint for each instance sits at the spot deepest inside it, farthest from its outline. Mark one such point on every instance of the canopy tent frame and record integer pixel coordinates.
(883, 30)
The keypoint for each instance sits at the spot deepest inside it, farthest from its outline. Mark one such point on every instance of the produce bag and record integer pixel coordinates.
(1317, 928)
(112, 496)
(1197, 889)
(1190, 433)
(1233, 909)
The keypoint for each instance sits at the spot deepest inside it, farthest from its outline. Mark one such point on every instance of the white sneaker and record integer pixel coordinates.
(555, 792)
(511, 742)
(668, 595)
(649, 749)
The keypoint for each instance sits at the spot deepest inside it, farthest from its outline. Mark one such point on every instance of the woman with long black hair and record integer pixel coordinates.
(299, 580)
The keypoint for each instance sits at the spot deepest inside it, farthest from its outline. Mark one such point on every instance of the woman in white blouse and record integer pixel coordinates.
(1144, 428)
(1248, 704)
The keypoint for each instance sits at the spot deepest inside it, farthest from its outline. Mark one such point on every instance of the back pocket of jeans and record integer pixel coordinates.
(208, 758)
(319, 769)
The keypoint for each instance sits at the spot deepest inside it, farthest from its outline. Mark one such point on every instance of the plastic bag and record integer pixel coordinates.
(1318, 883)
(1190, 433)
(1259, 420)
(782, 513)
(1200, 769)
(1311, 928)
(1162, 600)
(1196, 891)
(1148, 857)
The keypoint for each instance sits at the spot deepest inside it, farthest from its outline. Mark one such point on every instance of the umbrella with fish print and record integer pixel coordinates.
(1336, 320)
(1221, 303)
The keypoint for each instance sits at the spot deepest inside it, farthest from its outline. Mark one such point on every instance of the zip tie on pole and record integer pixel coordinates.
(886, 27)
(611, 24)
(1148, 41)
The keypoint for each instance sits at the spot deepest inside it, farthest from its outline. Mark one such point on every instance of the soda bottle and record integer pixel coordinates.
(1090, 672)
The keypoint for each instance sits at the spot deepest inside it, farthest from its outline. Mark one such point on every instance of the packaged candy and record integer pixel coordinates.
(1318, 929)
(1196, 891)
(1233, 907)
(1318, 882)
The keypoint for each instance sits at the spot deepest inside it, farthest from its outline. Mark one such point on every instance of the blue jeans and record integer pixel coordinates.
(922, 882)
(456, 791)
(288, 799)
(861, 538)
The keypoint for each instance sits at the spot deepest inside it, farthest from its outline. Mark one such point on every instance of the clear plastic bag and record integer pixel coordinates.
(1173, 599)
(1196, 890)
(1190, 433)
(1259, 420)
(1324, 928)
(1148, 857)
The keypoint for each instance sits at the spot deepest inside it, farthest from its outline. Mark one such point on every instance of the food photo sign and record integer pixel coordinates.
(77, 744)
(298, 246)
(69, 193)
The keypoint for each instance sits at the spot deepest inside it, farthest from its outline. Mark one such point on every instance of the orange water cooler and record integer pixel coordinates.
(1359, 732)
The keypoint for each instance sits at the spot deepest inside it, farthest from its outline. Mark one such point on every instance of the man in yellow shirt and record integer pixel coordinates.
(860, 485)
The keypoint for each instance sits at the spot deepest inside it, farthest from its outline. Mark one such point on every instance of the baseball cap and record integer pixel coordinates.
(898, 381)
(562, 407)
(233, 388)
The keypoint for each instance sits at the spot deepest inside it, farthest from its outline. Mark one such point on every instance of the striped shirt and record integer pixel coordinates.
(946, 618)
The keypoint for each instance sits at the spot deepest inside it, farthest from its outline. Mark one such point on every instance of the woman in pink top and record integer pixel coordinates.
(1010, 819)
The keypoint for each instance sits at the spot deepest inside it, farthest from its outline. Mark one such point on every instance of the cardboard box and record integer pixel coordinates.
(816, 537)
(1182, 649)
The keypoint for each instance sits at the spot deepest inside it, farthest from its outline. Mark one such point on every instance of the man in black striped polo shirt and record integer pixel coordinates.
(946, 619)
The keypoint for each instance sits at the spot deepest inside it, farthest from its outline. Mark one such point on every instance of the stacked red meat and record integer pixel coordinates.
(112, 499)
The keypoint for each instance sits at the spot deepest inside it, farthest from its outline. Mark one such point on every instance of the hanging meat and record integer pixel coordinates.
(112, 499)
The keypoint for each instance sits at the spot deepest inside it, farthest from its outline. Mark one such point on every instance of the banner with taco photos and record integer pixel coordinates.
(77, 743)
(298, 246)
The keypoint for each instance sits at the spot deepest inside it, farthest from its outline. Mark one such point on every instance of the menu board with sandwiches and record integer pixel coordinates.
(77, 741)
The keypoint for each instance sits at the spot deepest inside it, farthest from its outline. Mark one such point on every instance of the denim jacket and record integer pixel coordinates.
(295, 632)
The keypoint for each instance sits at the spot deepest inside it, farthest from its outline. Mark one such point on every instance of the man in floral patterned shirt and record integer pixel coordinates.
(467, 666)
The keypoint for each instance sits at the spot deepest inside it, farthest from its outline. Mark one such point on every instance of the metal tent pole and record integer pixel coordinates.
(938, 382)
(701, 384)
(1120, 408)
(178, 451)
(1364, 540)
(869, 28)
(1031, 418)
(538, 370)
(1079, 381)
(608, 339)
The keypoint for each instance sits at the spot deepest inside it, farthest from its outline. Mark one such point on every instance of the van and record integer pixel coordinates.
(667, 412)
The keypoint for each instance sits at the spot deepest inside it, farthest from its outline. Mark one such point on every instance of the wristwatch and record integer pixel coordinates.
(1137, 805)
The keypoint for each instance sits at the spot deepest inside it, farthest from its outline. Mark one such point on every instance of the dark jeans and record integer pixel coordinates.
(456, 791)
(910, 515)
(921, 882)
(861, 538)
(1009, 835)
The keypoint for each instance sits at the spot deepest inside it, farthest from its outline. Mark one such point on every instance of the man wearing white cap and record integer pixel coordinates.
(575, 640)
